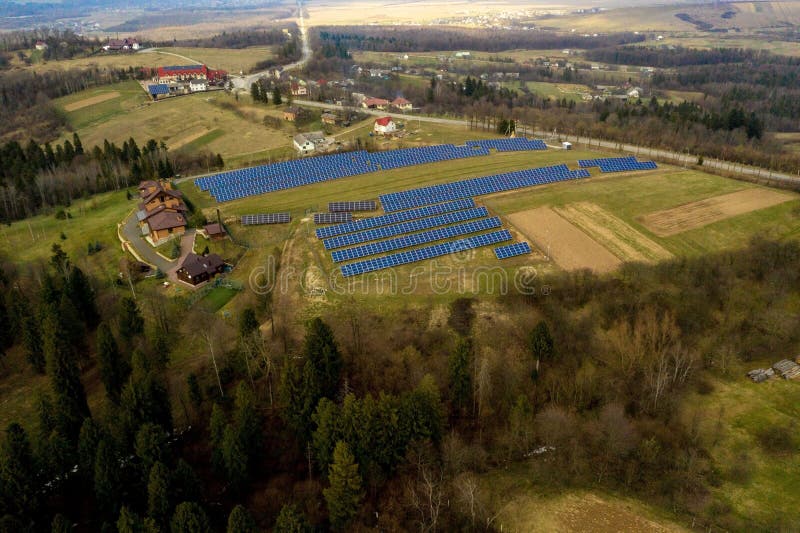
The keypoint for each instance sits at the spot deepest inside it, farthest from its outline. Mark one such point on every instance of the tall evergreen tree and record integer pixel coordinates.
(32, 340)
(344, 494)
(321, 351)
(276, 96)
(290, 520)
(189, 517)
(240, 521)
(107, 477)
(114, 369)
(88, 441)
(18, 474)
(460, 370)
(151, 445)
(158, 493)
(78, 144)
(130, 319)
(540, 344)
(81, 294)
(70, 397)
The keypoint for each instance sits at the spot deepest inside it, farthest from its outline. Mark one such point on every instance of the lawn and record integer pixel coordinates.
(205, 120)
(217, 298)
(232, 60)
(556, 91)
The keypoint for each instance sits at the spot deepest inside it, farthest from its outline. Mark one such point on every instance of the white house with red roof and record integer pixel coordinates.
(385, 126)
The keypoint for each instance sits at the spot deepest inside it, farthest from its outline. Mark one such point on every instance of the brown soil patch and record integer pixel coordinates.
(189, 138)
(567, 245)
(703, 212)
(86, 102)
(612, 233)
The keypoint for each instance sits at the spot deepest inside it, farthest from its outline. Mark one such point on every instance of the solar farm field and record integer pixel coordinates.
(608, 209)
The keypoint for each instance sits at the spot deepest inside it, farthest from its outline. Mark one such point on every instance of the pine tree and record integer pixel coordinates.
(460, 372)
(344, 494)
(88, 441)
(185, 485)
(189, 517)
(290, 520)
(255, 92)
(106, 477)
(32, 340)
(80, 292)
(276, 96)
(540, 344)
(248, 324)
(18, 474)
(240, 521)
(247, 421)
(114, 370)
(151, 445)
(70, 397)
(300, 394)
(234, 458)
(321, 351)
(131, 322)
(158, 491)
(78, 144)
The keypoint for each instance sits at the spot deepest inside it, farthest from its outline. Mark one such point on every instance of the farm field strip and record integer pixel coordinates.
(80, 104)
(709, 210)
(567, 245)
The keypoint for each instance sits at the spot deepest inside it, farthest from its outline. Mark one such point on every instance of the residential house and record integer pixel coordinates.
(162, 212)
(402, 104)
(292, 113)
(298, 90)
(197, 269)
(198, 85)
(375, 103)
(117, 45)
(384, 126)
(330, 119)
(306, 143)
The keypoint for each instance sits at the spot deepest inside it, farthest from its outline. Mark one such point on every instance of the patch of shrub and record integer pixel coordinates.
(777, 439)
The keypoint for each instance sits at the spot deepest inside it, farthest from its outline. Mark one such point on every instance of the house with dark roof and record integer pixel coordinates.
(214, 231)
(161, 213)
(197, 269)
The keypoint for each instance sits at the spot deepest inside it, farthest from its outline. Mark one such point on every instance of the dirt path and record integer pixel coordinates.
(613, 233)
(568, 246)
(86, 102)
(704, 212)
(189, 138)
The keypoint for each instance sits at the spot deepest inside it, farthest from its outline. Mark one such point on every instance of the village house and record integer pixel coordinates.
(330, 119)
(298, 90)
(305, 143)
(292, 113)
(198, 85)
(214, 231)
(117, 45)
(180, 73)
(384, 126)
(162, 212)
(402, 104)
(375, 103)
(197, 269)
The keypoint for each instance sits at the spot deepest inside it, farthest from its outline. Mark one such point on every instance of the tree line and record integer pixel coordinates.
(237, 38)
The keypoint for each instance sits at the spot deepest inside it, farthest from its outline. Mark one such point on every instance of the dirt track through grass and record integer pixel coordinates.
(709, 210)
(568, 246)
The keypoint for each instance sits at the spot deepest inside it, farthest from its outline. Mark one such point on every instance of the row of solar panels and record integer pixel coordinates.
(415, 239)
(332, 218)
(424, 253)
(349, 207)
(516, 144)
(266, 218)
(158, 88)
(400, 228)
(394, 218)
(512, 250)
(266, 178)
(617, 164)
(478, 186)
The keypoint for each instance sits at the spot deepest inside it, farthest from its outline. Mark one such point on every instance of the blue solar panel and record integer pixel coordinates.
(428, 252)
(394, 218)
(384, 232)
(332, 218)
(511, 250)
(617, 164)
(245, 182)
(415, 239)
(478, 186)
(158, 88)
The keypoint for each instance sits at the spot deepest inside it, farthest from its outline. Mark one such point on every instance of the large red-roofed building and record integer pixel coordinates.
(189, 72)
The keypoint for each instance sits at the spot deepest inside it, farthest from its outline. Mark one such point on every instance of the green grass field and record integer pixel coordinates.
(232, 60)
(131, 98)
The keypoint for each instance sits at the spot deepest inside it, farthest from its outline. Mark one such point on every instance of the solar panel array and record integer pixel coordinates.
(266, 218)
(512, 250)
(394, 218)
(384, 232)
(617, 164)
(158, 88)
(332, 218)
(349, 207)
(251, 181)
(428, 252)
(478, 186)
(415, 239)
(516, 144)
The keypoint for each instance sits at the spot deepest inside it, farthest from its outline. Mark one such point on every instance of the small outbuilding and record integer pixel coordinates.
(566, 145)
(214, 231)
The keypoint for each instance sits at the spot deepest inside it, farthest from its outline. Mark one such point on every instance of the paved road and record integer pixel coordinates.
(244, 82)
(132, 233)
